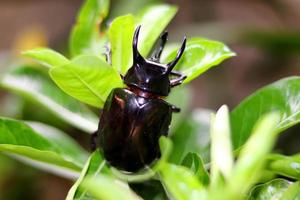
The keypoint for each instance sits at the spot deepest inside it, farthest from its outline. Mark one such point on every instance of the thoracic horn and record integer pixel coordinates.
(172, 64)
(157, 52)
(136, 54)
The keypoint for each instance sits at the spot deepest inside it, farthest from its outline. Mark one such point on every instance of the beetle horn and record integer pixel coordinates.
(136, 54)
(157, 52)
(172, 64)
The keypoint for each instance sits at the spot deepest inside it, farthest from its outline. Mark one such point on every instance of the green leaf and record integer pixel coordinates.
(221, 150)
(33, 84)
(154, 20)
(40, 143)
(200, 55)
(292, 192)
(85, 36)
(282, 96)
(108, 188)
(252, 157)
(120, 36)
(46, 57)
(192, 136)
(94, 165)
(273, 189)
(180, 182)
(88, 79)
(288, 166)
(194, 162)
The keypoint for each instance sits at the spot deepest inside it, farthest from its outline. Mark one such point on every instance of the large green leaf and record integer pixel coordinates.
(94, 165)
(85, 36)
(108, 188)
(154, 20)
(87, 78)
(288, 166)
(33, 84)
(40, 143)
(282, 96)
(273, 189)
(120, 36)
(200, 55)
(46, 57)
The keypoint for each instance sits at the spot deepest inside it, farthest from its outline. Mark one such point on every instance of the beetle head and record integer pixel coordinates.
(148, 74)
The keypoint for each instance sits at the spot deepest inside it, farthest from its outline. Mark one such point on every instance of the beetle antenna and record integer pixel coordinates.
(172, 64)
(157, 52)
(136, 54)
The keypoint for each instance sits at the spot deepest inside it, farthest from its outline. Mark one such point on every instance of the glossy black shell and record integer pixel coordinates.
(130, 127)
(134, 118)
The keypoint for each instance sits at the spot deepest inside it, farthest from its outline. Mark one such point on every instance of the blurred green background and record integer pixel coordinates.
(265, 34)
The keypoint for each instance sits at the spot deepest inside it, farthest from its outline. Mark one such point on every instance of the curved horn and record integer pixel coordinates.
(157, 53)
(172, 64)
(136, 53)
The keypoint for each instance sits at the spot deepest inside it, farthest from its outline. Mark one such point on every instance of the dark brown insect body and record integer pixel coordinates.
(134, 118)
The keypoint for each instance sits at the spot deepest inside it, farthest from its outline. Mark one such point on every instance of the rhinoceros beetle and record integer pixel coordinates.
(133, 118)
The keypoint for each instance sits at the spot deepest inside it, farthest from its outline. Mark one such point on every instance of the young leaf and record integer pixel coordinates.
(154, 20)
(221, 150)
(87, 78)
(252, 156)
(108, 188)
(94, 165)
(288, 166)
(194, 162)
(273, 189)
(120, 36)
(51, 146)
(200, 55)
(180, 182)
(33, 84)
(46, 57)
(282, 96)
(85, 37)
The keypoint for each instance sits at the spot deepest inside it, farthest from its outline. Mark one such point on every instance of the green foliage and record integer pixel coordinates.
(288, 166)
(271, 190)
(153, 26)
(40, 143)
(87, 78)
(198, 160)
(46, 57)
(105, 187)
(33, 84)
(199, 56)
(120, 36)
(85, 37)
(282, 96)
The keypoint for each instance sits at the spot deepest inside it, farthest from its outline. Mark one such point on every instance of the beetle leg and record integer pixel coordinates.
(93, 142)
(175, 109)
(177, 81)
